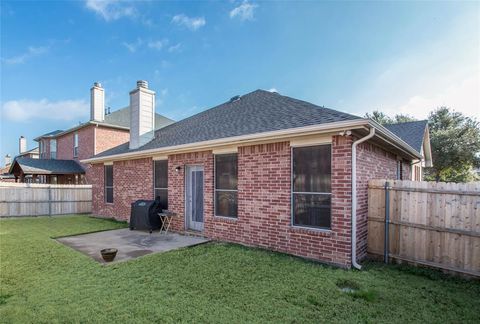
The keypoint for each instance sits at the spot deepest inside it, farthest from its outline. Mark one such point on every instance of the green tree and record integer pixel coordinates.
(383, 118)
(455, 142)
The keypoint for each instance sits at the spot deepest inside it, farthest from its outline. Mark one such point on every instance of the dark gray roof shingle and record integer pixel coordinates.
(55, 132)
(121, 118)
(256, 112)
(410, 132)
(44, 166)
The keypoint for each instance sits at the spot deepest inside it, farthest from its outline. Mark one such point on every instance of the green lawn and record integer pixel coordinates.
(44, 281)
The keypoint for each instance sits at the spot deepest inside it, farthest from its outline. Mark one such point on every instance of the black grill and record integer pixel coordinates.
(144, 215)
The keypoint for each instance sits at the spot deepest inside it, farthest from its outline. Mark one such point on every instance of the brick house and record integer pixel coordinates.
(103, 131)
(261, 170)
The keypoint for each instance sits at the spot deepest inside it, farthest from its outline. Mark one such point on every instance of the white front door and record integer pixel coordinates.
(194, 197)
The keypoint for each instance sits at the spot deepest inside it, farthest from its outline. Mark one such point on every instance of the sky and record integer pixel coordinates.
(356, 57)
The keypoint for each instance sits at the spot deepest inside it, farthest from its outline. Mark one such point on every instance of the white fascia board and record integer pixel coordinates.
(278, 135)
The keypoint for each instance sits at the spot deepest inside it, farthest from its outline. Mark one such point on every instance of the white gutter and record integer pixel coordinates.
(354, 196)
(277, 135)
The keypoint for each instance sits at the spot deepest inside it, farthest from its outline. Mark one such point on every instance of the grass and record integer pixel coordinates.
(43, 281)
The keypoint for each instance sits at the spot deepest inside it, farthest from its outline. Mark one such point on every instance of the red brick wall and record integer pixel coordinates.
(264, 193)
(373, 162)
(176, 184)
(108, 138)
(132, 180)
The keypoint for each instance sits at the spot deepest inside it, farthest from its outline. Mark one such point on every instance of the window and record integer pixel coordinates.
(53, 148)
(160, 189)
(42, 148)
(75, 145)
(399, 170)
(226, 176)
(109, 183)
(311, 186)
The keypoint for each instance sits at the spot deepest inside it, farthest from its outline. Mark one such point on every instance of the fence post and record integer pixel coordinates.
(387, 222)
(50, 200)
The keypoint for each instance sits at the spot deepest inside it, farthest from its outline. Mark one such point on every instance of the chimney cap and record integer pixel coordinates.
(97, 84)
(142, 84)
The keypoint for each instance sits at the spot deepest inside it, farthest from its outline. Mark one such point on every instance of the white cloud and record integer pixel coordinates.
(193, 23)
(111, 10)
(32, 51)
(158, 44)
(132, 47)
(26, 110)
(245, 11)
(175, 48)
(428, 76)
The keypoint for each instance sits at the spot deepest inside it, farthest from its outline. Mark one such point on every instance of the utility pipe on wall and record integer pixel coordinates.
(354, 196)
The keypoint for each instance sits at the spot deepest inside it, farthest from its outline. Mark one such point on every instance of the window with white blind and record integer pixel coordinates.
(75, 145)
(53, 148)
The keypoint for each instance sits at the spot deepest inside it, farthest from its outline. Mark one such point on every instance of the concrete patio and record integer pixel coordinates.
(130, 244)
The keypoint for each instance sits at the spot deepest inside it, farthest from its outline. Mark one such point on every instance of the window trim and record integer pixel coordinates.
(105, 184)
(227, 190)
(155, 188)
(75, 144)
(53, 154)
(292, 192)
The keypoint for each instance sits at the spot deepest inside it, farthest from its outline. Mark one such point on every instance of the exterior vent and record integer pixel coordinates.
(142, 84)
(234, 98)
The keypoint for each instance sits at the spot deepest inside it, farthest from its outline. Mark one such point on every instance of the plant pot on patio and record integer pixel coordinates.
(109, 254)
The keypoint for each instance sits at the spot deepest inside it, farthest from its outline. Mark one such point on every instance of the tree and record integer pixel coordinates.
(455, 142)
(383, 119)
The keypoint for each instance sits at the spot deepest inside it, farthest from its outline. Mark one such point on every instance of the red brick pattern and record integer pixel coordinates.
(373, 162)
(132, 180)
(264, 194)
(107, 138)
(176, 184)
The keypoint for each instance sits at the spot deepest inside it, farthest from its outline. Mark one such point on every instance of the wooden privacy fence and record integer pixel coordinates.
(432, 224)
(25, 199)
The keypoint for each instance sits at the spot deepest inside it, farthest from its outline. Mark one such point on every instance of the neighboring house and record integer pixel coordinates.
(23, 152)
(4, 175)
(46, 171)
(417, 135)
(262, 170)
(103, 131)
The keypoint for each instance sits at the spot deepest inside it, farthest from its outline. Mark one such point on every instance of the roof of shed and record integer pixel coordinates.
(413, 133)
(256, 112)
(47, 166)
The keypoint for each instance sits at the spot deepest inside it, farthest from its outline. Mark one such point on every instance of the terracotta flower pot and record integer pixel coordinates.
(108, 254)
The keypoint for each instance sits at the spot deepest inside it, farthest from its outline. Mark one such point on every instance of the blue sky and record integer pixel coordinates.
(407, 57)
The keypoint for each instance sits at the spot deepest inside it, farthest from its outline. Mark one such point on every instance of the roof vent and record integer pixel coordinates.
(142, 84)
(234, 98)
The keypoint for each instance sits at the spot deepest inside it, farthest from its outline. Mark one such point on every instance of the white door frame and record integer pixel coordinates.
(189, 224)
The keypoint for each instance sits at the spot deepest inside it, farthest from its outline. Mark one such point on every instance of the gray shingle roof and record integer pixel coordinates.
(256, 112)
(55, 132)
(44, 166)
(411, 132)
(121, 118)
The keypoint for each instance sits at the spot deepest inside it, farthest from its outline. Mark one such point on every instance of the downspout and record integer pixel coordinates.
(354, 196)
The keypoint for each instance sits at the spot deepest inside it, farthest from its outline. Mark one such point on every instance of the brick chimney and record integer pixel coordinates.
(22, 145)
(142, 115)
(97, 102)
